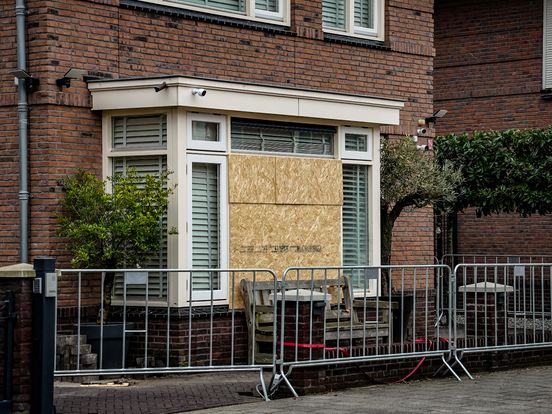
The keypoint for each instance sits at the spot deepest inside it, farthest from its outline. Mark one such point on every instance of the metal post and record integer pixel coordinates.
(6, 403)
(44, 314)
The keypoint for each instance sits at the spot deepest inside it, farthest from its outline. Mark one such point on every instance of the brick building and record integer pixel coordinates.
(493, 71)
(298, 95)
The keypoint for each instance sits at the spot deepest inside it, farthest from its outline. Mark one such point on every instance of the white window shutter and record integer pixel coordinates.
(547, 45)
(205, 225)
(355, 217)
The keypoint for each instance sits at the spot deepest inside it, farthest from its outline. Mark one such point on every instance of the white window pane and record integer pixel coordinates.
(205, 131)
(364, 13)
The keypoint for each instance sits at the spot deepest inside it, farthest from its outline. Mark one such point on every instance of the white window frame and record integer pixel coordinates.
(222, 293)
(251, 13)
(219, 145)
(376, 33)
(356, 155)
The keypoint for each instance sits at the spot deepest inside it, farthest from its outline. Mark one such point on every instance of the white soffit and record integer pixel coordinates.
(235, 97)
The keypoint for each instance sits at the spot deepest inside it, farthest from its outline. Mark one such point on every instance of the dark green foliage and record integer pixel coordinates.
(503, 171)
(116, 228)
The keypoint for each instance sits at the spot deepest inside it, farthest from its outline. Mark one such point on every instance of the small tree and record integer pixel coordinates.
(113, 229)
(410, 178)
(503, 171)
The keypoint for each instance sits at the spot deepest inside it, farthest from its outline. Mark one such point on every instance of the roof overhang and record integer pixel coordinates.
(238, 97)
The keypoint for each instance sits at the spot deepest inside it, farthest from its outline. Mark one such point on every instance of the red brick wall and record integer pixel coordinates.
(100, 36)
(488, 75)
(488, 65)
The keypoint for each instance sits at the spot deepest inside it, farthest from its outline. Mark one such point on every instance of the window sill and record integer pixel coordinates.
(355, 41)
(244, 23)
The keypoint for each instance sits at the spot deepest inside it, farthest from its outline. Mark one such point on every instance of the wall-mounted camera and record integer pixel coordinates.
(421, 131)
(199, 91)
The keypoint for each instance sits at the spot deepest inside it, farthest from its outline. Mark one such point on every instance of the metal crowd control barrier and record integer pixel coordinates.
(501, 306)
(338, 315)
(208, 334)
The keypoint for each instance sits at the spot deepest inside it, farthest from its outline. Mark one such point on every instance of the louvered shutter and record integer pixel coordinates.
(205, 225)
(149, 165)
(267, 5)
(355, 217)
(233, 5)
(130, 132)
(333, 14)
(364, 14)
(280, 137)
(547, 52)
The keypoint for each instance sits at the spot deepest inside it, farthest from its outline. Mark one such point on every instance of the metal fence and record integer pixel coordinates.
(151, 336)
(502, 306)
(314, 316)
(338, 315)
(7, 322)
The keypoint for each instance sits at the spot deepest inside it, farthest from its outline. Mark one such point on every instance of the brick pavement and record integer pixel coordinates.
(157, 395)
(505, 392)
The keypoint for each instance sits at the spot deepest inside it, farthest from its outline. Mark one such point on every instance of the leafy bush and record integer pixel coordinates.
(503, 171)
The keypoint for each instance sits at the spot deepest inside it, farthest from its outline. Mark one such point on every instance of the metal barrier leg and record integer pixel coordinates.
(441, 368)
(290, 387)
(263, 386)
(462, 366)
(445, 363)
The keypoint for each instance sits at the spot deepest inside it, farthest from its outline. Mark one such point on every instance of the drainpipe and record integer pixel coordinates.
(23, 116)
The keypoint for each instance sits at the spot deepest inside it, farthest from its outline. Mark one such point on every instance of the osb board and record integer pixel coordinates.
(251, 179)
(280, 236)
(254, 179)
(308, 181)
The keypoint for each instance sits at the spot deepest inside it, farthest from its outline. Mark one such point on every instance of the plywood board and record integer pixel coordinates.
(251, 179)
(308, 181)
(280, 236)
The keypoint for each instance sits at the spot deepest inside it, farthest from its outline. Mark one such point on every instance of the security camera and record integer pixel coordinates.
(422, 147)
(421, 131)
(199, 92)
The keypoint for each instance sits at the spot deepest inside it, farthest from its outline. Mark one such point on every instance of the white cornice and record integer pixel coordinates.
(243, 98)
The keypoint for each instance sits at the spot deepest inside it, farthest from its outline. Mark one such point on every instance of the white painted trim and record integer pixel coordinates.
(356, 155)
(219, 145)
(222, 293)
(230, 97)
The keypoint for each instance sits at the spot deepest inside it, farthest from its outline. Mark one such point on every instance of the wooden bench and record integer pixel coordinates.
(341, 319)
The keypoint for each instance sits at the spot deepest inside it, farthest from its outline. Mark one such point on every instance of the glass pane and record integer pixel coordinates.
(139, 131)
(355, 217)
(279, 137)
(205, 225)
(233, 5)
(333, 14)
(205, 131)
(364, 13)
(267, 5)
(356, 142)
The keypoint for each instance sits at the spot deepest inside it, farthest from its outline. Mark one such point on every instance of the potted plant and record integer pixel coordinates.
(112, 229)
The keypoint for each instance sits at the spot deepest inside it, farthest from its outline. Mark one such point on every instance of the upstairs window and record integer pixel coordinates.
(265, 9)
(282, 137)
(353, 17)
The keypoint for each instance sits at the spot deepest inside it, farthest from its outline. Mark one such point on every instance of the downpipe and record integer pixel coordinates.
(23, 117)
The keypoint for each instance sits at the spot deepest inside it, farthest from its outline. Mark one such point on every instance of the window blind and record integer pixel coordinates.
(139, 131)
(547, 52)
(333, 14)
(364, 13)
(157, 281)
(233, 5)
(205, 225)
(355, 218)
(281, 137)
(267, 5)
